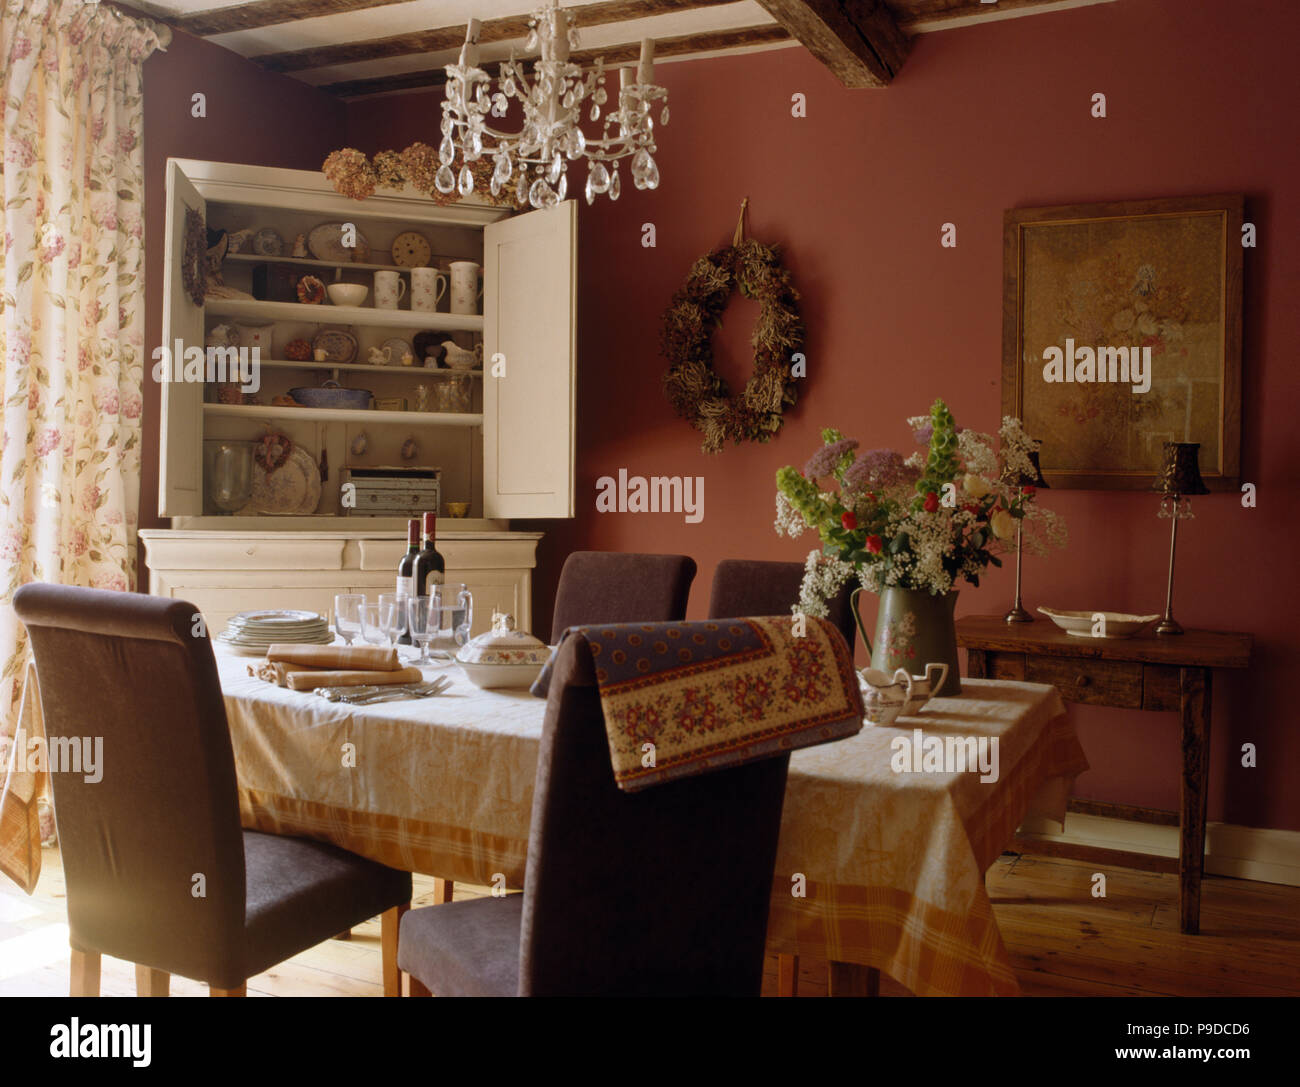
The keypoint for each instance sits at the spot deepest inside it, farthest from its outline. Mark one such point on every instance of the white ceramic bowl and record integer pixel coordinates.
(347, 294)
(1080, 623)
(499, 676)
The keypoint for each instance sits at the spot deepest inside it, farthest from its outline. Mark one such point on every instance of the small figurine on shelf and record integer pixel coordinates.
(409, 449)
(300, 246)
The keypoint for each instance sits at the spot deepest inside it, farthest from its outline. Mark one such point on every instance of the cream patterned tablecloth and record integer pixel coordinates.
(875, 867)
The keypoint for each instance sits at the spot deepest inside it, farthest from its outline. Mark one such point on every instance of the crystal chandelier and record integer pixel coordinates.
(553, 102)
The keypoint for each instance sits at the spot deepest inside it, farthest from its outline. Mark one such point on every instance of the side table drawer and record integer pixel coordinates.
(1099, 682)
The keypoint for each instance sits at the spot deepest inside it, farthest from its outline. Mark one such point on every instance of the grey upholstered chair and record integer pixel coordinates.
(753, 587)
(655, 893)
(616, 587)
(158, 870)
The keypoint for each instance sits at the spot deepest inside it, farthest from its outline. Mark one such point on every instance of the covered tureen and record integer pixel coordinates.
(504, 656)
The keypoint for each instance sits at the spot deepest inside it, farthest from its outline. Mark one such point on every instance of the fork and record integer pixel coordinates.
(361, 696)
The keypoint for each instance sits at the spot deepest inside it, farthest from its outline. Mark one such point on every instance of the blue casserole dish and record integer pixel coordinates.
(331, 395)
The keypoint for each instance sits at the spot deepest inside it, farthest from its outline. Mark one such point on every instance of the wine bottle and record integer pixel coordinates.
(429, 568)
(406, 571)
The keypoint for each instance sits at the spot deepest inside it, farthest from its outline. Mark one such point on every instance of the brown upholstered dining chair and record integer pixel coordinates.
(614, 587)
(753, 587)
(158, 870)
(654, 893)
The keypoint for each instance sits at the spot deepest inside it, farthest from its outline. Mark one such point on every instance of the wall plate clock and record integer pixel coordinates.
(411, 250)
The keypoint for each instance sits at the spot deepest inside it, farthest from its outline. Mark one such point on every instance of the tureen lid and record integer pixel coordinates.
(503, 644)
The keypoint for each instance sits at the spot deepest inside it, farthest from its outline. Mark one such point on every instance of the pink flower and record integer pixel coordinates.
(34, 398)
(106, 401)
(80, 545)
(109, 581)
(112, 517)
(52, 250)
(90, 498)
(84, 357)
(48, 441)
(132, 405)
(22, 47)
(11, 545)
(126, 140)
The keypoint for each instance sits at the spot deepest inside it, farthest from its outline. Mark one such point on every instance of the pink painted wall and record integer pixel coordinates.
(253, 116)
(1201, 100)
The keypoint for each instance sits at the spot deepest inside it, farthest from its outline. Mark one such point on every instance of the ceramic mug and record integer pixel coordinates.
(465, 289)
(256, 336)
(389, 289)
(428, 285)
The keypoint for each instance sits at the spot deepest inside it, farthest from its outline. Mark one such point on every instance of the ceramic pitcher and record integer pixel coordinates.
(465, 289)
(915, 629)
(428, 285)
(389, 288)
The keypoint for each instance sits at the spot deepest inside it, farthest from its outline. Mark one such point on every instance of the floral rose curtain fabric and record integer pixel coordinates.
(71, 303)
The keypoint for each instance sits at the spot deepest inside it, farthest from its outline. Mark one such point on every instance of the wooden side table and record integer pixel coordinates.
(1173, 672)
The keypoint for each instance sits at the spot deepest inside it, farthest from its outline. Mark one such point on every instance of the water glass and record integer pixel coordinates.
(424, 613)
(375, 621)
(347, 615)
(393, 607)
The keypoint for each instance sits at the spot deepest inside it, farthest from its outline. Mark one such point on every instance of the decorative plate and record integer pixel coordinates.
(1117, 624)
(291, 489)
(397, 347)
(326, 243)
(338, 345)
(411, 250)
(267, 242)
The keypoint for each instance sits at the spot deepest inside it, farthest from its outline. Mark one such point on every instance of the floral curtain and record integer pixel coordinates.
(71, 303)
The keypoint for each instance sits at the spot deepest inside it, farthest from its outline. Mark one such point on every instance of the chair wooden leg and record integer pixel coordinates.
(442, 891)
(151, 982)
(85, 973)
(389, 922)
(787, 975)
(416, 987)
(346, 934)
(241, 990)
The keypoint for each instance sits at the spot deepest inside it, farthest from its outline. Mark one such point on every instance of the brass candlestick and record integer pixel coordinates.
(1179, 478)
(1021, 480)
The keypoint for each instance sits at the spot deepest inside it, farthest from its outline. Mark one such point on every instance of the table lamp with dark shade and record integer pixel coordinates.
(1020, 480)
(1178, 479)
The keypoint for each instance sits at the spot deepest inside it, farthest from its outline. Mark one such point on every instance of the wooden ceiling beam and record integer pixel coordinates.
(716, 41)
(858, 40)
(259, 13)
(440, 39)
(926, 15)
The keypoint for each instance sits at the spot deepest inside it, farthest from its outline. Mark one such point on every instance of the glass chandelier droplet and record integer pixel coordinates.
(563, 188)
(614, 187)
(663, 117)
(589, 190)
(598, 177)
(595, 112)
(553, 174)
(535, 192)
(445, 180)
(446, 151)
(466, 184)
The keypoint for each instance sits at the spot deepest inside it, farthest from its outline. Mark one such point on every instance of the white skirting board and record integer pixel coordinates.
(1269, 856)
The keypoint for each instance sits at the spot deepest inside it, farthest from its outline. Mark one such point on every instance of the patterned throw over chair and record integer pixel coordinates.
(613, 587)
(755, 587)
(162, 825)
(642, 882)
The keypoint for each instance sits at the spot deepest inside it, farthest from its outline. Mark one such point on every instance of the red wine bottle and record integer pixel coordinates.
(406, 571)
(429, 569)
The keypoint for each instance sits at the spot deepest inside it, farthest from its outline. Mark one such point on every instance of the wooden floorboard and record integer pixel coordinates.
(1061, 940)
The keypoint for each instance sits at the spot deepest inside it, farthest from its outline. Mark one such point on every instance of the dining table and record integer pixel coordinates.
(879, 865)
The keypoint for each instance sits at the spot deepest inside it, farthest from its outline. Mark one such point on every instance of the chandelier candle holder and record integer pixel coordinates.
(553, 101)
(1020, 481)
(1179, 478)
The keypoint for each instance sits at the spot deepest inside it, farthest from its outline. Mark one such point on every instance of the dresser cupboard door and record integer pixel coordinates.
(180, 483)
(529, 309)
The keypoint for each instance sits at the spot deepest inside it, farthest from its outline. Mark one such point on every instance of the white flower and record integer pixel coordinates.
(1003, 525)
(975, 486)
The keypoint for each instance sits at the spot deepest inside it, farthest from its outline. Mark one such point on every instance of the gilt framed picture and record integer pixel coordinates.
(1121, 330)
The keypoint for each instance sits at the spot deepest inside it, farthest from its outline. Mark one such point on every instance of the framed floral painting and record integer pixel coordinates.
(1121, 331)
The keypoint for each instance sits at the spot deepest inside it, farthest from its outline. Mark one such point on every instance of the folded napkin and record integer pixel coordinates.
(305, 681)
(369, 658)
(717, 693)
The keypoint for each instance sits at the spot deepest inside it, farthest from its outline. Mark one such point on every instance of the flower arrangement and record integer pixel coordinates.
(921, 522)
(356, 176)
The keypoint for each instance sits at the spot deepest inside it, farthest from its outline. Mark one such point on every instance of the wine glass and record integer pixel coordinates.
(461, 602)
(373, 627)
(425, 615)
(347, 615)
(391, 606)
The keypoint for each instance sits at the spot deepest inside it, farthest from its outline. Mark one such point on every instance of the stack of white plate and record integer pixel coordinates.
(250, 632)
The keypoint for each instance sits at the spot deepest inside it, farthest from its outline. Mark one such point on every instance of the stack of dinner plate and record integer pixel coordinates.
(250, 632)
